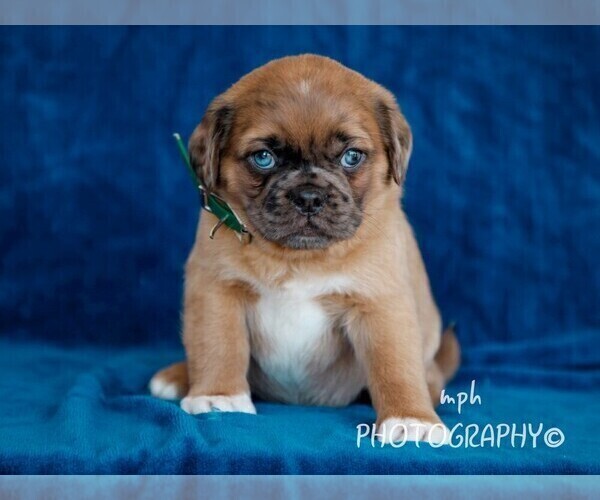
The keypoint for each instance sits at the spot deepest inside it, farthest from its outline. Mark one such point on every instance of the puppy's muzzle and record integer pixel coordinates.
(308, 199)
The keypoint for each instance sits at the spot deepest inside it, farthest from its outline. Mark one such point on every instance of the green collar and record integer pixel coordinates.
(213, 203)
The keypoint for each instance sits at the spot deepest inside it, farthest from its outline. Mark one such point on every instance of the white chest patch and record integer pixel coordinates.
(290, 329)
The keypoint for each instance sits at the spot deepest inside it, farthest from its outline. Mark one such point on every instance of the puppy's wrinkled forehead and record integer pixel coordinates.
(302, 110)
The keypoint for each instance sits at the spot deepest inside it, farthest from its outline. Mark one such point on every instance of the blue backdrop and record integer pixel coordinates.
(98, 214)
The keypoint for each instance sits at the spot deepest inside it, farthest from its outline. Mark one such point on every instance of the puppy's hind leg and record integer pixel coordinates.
(444, 366)
(170, 382)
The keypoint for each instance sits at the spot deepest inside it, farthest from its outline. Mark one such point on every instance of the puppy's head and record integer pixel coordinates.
(302, 146)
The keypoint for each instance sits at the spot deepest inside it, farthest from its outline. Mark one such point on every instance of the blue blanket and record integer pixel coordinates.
(98, 214)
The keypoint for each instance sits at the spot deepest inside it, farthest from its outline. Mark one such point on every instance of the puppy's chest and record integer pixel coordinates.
(291, 332)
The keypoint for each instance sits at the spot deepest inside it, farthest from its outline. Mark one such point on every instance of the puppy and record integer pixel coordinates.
(331, 295)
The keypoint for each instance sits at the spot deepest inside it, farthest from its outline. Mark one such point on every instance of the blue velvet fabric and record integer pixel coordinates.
(98, 214)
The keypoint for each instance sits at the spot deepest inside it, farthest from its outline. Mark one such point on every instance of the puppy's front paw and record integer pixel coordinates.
(205, 404)
(394, 429)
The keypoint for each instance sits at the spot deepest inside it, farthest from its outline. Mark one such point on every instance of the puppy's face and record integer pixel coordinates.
(301, 146)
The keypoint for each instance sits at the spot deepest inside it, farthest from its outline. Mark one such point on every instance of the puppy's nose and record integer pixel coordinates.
(308, 200)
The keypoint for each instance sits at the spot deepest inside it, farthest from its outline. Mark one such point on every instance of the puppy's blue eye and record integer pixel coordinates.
(263, 159)
(352, 158)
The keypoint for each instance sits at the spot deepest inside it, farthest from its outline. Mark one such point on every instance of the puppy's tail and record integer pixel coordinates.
(448, 355)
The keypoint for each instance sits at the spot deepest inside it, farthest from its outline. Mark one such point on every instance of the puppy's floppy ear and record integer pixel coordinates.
(208, 141)
(396, 134)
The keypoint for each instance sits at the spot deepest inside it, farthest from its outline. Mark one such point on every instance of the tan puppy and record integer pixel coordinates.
(331, 296)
